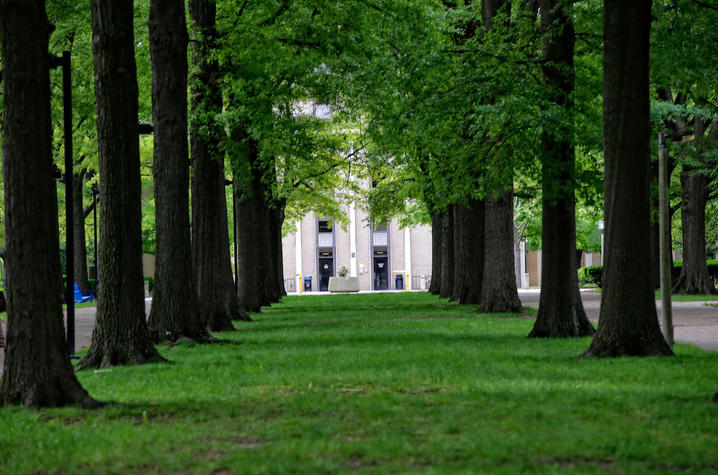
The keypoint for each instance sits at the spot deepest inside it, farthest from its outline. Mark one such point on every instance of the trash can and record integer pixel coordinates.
(399, 282)
(308, 283)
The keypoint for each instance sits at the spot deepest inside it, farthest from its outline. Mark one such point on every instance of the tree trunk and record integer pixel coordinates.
(269, 292)
(278, 215)
(37, 370)
(498, 287)
(458, 218)
(79, 242)
(175, 309)
(628, 323)
(436, 247)
(471, 253)
(210, 241)
(694, 277)
(498, 291)
(120, 335)
(247, 285)
(561, 312)
(447, 253)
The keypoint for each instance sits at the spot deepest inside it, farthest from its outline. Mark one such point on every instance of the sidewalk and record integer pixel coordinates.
(694, 323)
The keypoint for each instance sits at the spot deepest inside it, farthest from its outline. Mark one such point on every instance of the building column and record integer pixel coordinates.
(407, 256)
(352, 241)
(298, 257)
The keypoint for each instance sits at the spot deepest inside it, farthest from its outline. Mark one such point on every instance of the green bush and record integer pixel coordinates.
(594, 274)
(590, 275)
(712, 269)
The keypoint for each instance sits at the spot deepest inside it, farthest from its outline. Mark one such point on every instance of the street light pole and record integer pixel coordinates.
(95, 192)
(664, 240)
(64, 61)
(600, 228)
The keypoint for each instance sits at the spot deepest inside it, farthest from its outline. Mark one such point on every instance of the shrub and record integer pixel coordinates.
(712, 269)
(590, 275)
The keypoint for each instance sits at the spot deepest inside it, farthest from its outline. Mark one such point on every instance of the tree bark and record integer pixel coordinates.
(278, 221)
(561, 312)
(210, 241)
(628, 322)
(269, 293)
(694, 277)
(248, 219)
(175, 309)
(458, 218)
(498, 291)
(436, 246)
(498, 287)
(37, 370)
(121, 335)
(447, 253)
(79, 242)
(471, 252)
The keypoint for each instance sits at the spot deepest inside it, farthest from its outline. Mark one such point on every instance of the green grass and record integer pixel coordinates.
(688, 298)
(381, 383)
(680, 297)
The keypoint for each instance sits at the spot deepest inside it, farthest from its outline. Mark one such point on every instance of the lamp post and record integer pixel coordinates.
(600, 228)
(234, 233)
(64, 61)
(95, 194)
(664, 232)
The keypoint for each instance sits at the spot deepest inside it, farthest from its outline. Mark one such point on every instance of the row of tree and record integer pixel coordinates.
(461, 108)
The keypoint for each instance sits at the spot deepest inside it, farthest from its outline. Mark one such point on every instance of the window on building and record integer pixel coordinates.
(325, 226)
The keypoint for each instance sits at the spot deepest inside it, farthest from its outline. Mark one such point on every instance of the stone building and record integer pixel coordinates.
(382, 257)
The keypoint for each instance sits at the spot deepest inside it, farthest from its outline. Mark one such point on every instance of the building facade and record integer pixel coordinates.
(381, 257)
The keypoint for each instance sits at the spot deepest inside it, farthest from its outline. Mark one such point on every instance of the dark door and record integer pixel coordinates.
(326, 270)
(381, 273)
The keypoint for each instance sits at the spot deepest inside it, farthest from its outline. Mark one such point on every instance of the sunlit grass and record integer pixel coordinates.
(385, 383)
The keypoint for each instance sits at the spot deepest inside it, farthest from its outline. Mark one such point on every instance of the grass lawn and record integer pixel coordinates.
(380, 383)
(680, 297)
(688, 298)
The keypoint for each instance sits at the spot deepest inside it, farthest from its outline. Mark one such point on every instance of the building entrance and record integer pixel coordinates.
(381, 273)
(326, 270)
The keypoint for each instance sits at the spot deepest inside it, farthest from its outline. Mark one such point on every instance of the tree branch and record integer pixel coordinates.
(704, 5)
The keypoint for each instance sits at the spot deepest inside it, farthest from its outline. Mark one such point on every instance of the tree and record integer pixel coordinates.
(37, 368)
(447, 253)
(175, 309)
(436, 246)
(695, 191)
(469, 253)
(560, 311)
(682, 68)
(247, 224)
(628, 323)
(121, 335)
(210, 243)
(498, 286)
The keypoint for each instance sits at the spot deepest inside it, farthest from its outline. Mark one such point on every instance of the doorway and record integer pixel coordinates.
(381, 273)
(326, 270)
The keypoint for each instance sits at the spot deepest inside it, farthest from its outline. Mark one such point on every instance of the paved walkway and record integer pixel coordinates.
(694, 322)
